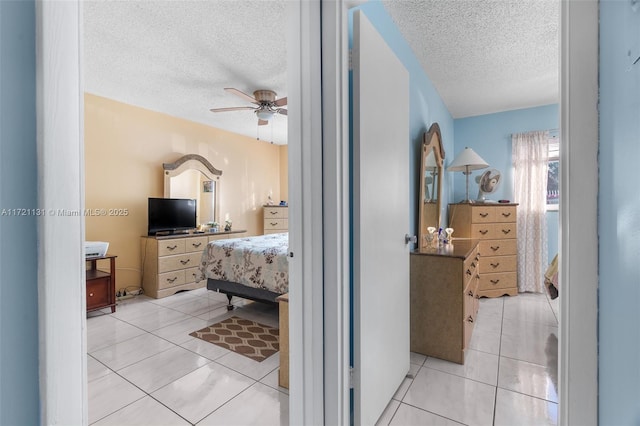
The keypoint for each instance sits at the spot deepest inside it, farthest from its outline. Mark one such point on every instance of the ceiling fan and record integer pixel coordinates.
(267, 104)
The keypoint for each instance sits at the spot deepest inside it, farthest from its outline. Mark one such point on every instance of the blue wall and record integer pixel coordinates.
(619, 216)
(19, 392)
(426, 106)
(490, 137)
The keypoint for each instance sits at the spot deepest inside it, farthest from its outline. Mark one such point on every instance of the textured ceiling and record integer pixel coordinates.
(484, 56)
(176, 57)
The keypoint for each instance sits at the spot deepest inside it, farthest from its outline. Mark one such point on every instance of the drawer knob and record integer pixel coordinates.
(470, 293)
(484, 214)
(506, 231)
(495, 248)
(484, 231)
(184, 262)
(196, 245)
(90, 294)
(470, 319)
(506, 214)
(273, 224)
(473, 264)
(171, 280)
(172, 247)
(468, 271)
(495, 281)
(273, 213)
(495, 265)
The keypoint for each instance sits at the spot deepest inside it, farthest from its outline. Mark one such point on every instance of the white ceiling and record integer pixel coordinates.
(176, 57)
(484, 56)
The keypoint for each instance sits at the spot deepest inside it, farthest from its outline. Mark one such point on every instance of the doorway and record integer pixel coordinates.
(61, 302)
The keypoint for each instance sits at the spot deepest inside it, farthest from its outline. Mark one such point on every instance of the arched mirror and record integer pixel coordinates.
(431, 163)
(193, 176)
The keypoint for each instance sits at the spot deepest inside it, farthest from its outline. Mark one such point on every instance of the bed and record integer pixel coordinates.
(254, 268)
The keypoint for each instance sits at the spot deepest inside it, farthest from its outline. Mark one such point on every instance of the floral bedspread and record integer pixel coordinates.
(259, 262)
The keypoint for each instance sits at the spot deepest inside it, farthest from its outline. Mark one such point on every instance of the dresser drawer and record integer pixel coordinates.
(282, 224)
(171, 279)
(505, 214)
(482, 214)
(470, 268)
(275, 213)
(494, 231)
(98, 292)
(498, 247)
(499, 280)
(181, 261)
(195, 244)
(167, 247)
(494, 264)
(191, 274)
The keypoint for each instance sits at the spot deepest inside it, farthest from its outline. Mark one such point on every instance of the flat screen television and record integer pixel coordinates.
(171, 215)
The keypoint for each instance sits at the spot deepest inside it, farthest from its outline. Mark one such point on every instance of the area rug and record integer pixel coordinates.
(249, 338)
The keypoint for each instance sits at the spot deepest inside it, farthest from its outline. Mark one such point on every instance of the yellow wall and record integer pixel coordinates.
(284, 173)
(125, 147)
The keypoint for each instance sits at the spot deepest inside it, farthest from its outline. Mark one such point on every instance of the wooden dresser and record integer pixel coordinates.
(276, 219)
(170, 264)
(444, 299)
(496, 228)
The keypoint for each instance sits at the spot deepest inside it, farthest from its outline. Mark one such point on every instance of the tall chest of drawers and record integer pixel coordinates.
(495, 226)
(170, 264)
(276, 219)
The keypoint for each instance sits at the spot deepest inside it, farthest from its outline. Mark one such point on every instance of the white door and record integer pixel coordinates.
(380, 222)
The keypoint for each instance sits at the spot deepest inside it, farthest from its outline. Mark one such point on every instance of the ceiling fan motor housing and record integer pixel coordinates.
(267, 96)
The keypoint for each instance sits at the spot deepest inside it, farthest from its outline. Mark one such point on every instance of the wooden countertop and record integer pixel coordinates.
(458, 248)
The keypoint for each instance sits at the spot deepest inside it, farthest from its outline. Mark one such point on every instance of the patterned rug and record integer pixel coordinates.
(246, 337)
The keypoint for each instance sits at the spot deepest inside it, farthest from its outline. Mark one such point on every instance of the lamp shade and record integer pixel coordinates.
(467, 160)
(264, 114)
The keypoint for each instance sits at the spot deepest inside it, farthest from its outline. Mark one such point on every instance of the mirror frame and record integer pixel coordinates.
(431, 140)
(193, 162)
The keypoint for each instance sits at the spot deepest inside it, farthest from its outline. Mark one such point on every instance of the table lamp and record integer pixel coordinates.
(465, 162)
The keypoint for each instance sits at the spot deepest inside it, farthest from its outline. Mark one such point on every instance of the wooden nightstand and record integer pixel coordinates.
(101, 285)
(283, 377)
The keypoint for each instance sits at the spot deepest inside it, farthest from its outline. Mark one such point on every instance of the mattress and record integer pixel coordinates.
(258, 262)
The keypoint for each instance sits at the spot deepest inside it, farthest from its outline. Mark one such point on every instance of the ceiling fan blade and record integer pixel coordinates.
(262, 122)
(231, 109)
(281, 111)
(242, 95)
(280, 102)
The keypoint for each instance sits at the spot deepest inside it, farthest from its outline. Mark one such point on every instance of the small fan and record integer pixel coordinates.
(488, 183)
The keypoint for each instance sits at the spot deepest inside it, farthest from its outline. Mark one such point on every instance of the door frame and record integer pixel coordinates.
(58, 26)
(577, 351)
(60, 141)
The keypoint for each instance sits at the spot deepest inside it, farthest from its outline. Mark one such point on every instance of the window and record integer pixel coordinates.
(553, 177)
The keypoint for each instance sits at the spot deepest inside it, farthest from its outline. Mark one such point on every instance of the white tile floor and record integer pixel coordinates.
(145, 369)
(509, 376)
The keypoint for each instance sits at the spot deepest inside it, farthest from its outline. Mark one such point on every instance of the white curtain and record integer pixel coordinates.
(530, 165)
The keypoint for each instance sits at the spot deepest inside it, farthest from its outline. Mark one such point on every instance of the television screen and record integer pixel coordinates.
(171, 214)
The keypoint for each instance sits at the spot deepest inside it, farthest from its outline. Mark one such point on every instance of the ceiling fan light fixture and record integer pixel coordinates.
(265, 114)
